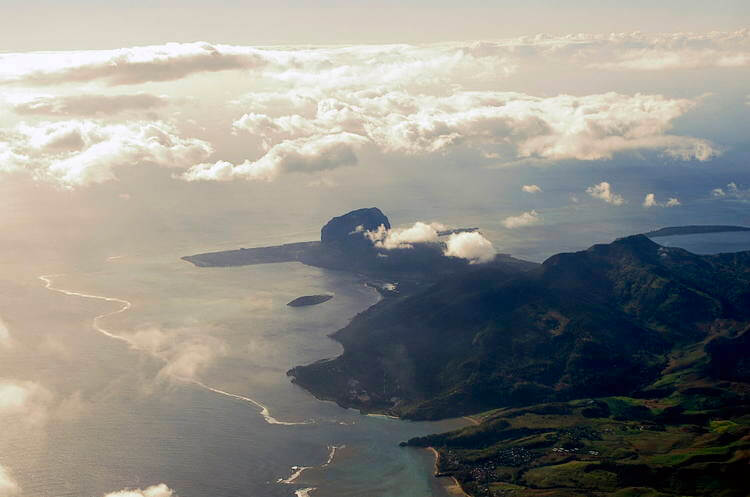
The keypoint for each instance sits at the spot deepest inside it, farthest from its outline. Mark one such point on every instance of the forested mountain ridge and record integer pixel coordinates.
(592, 323)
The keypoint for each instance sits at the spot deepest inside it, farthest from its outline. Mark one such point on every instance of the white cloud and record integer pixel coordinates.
(382, 65)
(650, 201)
(87, 105)
(330, 101)
(732, 191)
(603, 191)
(309, 154)
(72, 407)
(505, 125)
(126, 66)
(470, 245)
(27, 402)
(186, 360)
(184, 352)
(641, 52)
(82, 152)
(405, 237)
(531, 189)
(160, 490)
(525, 219)
(8, 485)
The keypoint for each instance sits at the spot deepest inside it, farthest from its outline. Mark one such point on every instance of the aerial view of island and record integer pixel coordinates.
(374, 249)
(613, 381)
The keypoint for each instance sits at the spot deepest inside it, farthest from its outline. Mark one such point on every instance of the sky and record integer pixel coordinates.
(541, 121)
(43, 25)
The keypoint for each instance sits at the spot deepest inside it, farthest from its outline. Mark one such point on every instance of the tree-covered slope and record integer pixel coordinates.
(595, 323)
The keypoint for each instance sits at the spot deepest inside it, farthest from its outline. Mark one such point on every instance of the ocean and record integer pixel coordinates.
(182, 380)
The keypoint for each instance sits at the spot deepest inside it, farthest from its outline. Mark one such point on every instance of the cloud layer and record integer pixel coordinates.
(505, 125)
(311, 109)
(381, 64)
(126, 66)
(307, 154)
(82, 152)
(86, 105)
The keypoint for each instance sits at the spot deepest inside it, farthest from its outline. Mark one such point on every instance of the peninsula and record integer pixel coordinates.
(694, 230)
(344, 245)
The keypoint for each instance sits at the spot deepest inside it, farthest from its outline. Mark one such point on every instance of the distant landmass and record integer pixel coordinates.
(309, 300)
(344, 246)
(693, 230)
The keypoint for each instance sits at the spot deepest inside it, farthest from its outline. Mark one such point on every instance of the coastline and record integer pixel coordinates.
(448, 483)
(472, 420)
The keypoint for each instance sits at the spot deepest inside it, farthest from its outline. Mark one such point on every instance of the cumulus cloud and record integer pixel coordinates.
(27, 402)
(525, 219)
(330, 101)
(505, 125)
(87, 105)
(309, 154)
(8, 485)
(126, 66)
(731, 191)
(531, 189)
(472, 246)
(603, 191)
(188, 359)
(641, 52)
(405, 237)
(184, 352)
(160, 490)
(650, 201)
(83, 152)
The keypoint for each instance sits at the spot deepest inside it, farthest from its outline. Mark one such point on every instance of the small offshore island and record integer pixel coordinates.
(306, 300)
(622, 370)
(694, 230)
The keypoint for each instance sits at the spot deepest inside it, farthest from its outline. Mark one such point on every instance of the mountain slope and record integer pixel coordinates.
(588, 324)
